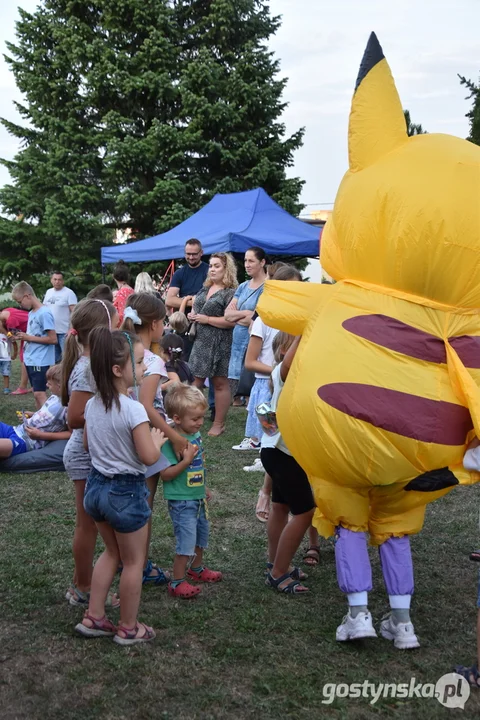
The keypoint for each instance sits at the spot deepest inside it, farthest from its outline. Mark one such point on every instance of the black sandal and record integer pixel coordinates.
(471, 674)
(294, 587)
(312, 556)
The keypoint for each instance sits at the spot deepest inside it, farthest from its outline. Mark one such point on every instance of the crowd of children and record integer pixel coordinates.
(111, 384)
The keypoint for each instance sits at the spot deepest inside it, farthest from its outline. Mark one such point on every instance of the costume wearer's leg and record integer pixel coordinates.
(397, 568)
(354, 572)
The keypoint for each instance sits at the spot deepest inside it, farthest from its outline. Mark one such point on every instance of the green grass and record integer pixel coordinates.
(239, 650)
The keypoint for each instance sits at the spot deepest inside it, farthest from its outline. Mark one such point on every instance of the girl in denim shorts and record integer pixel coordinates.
(184, 488)
(121, 445)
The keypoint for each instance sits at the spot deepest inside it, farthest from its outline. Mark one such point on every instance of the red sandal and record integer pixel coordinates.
(131, 635)
(101, 627)
(205, 576)
(183, 590)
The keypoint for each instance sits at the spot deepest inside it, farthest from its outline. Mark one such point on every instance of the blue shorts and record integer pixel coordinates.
(5, 367)
(190, 525)
(8, 433)
(37, 377)
(121, 500)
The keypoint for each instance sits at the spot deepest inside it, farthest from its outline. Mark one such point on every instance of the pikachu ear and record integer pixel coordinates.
(377, 123)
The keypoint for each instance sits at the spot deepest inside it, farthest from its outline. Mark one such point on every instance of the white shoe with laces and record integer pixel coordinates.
(256, 467)
(355, 628)
(247, 444)
(402, 634)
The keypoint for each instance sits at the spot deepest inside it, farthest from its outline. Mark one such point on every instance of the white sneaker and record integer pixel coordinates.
(247, 444)
(355, 628)
(256, 467)
(402, 634)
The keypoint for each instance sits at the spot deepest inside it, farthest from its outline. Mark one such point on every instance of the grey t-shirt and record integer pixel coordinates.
(109, 434)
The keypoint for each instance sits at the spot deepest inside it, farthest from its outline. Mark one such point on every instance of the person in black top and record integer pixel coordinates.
(188, 280)
(172, 352)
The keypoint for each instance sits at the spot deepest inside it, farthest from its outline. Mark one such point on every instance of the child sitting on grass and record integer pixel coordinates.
(471, 461)
(185, 490)
(47, 424)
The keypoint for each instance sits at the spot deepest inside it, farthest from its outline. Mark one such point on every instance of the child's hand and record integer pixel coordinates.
(158, 438)
(208, 494)
(190, 452)
(34, 433)
(179, 445)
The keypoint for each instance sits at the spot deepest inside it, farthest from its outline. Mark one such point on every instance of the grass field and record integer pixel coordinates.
(239, 650)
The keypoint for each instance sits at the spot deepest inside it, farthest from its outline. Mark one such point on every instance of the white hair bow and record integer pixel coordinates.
(132, 314)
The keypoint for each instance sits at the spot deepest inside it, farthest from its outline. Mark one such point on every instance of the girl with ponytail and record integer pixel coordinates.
(118, 436)
(77, 388)
(144, 315)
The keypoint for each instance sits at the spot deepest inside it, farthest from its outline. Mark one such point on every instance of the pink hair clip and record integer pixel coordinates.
(73, 332)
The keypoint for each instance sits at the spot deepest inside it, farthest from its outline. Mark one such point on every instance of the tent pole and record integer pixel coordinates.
(104, 272)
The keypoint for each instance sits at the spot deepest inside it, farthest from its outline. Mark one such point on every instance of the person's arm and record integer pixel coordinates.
(173, 298)
(148, 391)
(174, 471)
(49, 339)
(148, 443)
(14, 347)
(232, 314)
(251, 358)
(288, 359)
(218, 322)
(37, 434)
(187, 300)
(71, 308)
(76, 409)
(172, 377)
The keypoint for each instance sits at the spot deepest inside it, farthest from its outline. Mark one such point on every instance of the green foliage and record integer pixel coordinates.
(136, 114)
(474, 114)
(412, 128)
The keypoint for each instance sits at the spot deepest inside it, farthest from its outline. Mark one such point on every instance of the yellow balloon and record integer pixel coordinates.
(383, 395)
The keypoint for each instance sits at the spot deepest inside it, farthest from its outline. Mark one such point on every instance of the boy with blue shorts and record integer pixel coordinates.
(185, 490)
(40, 340)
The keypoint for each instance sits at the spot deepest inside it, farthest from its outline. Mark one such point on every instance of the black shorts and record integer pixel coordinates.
(290, 484)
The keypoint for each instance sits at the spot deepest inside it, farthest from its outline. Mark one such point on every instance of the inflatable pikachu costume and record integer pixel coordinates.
(383, 394)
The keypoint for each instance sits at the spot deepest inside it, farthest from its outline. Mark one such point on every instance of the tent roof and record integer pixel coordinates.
(232, 222)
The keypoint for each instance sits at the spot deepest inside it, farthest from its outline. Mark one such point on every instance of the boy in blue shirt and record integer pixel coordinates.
(184, 489)
(40, 340)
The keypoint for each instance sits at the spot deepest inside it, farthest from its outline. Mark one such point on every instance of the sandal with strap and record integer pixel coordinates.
(100, 627)
(294, 587)
(471, 674)
(161, 577)
(183, 590)
(262, 509)
(205, 576)
(77, 598)
(312, 556)
(297, 573)
(131, 635)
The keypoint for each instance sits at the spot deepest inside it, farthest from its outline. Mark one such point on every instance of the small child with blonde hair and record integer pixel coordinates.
(185, 490)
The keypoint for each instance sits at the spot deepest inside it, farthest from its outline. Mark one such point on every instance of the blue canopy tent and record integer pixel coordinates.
(228, 223)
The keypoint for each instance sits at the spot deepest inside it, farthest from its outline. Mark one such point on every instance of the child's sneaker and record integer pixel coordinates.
(355, 628)
(6, 391)
(183, 590)
(256, 467)
(205, 575)
(402, 634)
(247, 444)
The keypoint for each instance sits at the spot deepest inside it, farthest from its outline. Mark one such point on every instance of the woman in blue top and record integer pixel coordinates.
(241, 309)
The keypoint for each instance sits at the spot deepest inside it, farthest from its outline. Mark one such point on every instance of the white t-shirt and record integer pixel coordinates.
(110, 441)
(259, 329)
(154, 365)
(52, 417)
(471, 459)
(58, 301)
(4, 347)
(275, 441)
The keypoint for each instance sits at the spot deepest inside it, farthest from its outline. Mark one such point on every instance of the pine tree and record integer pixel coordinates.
(136, 113)
(412, 128)
(474, 114)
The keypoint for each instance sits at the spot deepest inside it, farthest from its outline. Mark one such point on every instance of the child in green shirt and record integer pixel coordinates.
(185, 490)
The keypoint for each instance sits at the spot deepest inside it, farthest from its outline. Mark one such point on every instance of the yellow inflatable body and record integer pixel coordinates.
(383, 394)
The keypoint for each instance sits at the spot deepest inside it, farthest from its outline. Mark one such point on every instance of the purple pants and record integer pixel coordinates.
(354, 572)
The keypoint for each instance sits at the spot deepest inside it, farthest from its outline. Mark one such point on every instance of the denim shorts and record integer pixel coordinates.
(121, 500)
(37, 377)
(190, 525)
(5, 367)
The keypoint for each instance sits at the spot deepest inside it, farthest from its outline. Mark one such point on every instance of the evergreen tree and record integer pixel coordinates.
(474, 114)
(412, 128)
(136, 113)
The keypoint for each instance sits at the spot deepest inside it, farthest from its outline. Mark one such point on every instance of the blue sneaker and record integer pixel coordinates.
(6, 391)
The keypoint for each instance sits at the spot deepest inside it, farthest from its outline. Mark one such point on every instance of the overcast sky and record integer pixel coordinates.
(320, 45)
